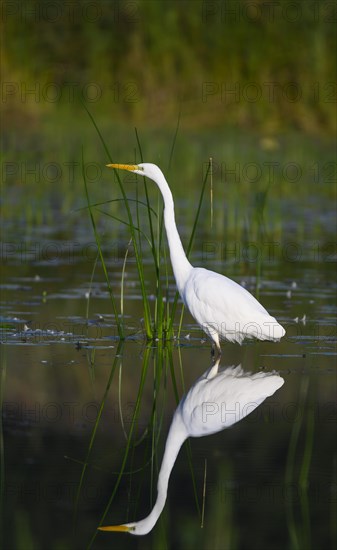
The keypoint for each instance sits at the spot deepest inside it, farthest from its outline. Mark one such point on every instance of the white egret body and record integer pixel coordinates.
(216, 401)
(223, 308)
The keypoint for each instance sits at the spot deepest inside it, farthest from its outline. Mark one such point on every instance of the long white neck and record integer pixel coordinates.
(176, 437)
(180, 264)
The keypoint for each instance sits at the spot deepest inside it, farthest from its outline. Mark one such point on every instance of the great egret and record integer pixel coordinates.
(217, 400)
(223, 308)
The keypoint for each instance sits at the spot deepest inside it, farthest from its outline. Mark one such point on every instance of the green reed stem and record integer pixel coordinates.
(97, 239)
(174, 140)
(122, 281)
(295, 532)
(304, 475)
(147, 313)
(94, 431)
(129, 440)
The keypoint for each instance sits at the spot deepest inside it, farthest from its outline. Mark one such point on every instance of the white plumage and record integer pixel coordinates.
(226, 310)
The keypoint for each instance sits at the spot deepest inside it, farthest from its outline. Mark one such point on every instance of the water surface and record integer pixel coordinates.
(270, 479)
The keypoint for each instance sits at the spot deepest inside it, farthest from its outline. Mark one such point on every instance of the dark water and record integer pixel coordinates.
(271, 479)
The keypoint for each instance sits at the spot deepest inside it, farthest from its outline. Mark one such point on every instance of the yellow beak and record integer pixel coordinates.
(130, 167)
(120, 528)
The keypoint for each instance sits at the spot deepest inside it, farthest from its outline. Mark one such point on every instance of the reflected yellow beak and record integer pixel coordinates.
(130, 167)
(120, 528)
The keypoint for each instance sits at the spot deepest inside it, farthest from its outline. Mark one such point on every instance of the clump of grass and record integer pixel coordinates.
(160, 322)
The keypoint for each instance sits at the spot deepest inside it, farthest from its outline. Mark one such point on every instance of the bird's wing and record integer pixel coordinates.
(214, 404)
(223, 293)
(217, 300)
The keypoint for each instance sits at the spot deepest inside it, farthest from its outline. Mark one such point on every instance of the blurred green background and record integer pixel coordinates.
(247, 81)
(258, 65)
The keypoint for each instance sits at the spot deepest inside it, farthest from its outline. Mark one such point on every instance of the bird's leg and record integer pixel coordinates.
(216, 344)
(213, 371)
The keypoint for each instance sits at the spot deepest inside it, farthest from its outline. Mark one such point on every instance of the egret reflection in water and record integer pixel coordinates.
(200, 413)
